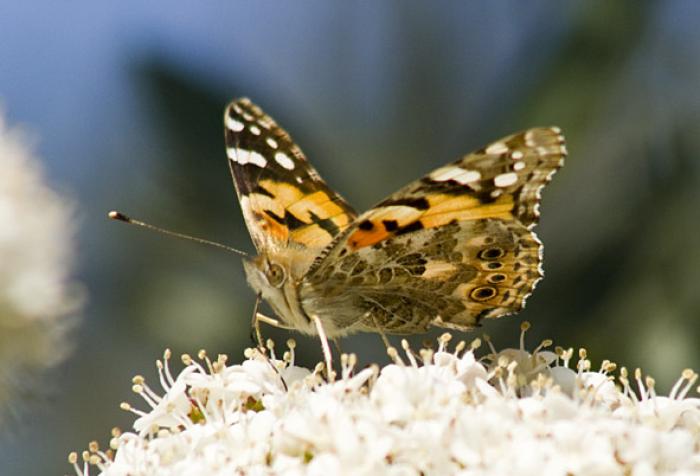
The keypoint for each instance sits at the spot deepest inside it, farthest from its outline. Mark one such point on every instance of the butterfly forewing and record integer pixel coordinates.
(284, 200)
(449, 249)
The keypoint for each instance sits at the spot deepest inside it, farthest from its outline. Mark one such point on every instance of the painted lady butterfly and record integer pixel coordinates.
(447, 250)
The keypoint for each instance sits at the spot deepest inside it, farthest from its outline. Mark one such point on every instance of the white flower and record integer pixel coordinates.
(445, 412)
(37, 297)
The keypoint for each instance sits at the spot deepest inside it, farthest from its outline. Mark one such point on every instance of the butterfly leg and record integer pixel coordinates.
(258, 317)
(256, 335)
(324, 346)
(273, 322)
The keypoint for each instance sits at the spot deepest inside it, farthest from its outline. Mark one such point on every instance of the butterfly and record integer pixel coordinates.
(448, 250)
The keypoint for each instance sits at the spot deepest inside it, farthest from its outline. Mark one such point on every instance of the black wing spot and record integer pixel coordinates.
(365, 225)
(411, 227)
(326, 224)
(259, 189)
(289, 219)
(390, 225)
(420, 203)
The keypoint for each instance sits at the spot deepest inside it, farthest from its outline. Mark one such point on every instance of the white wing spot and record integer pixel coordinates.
(518, 166)
(247, 117)
(265, 122)
(468, 176)
(271, 142)
(233, 124)
(445, 173)
(284, 161)
(254, 130)
(457, 174)
(496, 193)
(516, 155)
(497, 148)
(242, 157)
(505, 180)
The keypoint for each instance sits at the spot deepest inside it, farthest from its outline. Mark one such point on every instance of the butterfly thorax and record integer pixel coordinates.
(277, 281)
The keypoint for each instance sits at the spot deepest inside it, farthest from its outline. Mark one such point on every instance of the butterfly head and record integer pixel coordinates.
(273, 281)
(264, 275)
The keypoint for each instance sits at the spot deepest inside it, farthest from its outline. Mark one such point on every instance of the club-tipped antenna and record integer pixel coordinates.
(115, 215)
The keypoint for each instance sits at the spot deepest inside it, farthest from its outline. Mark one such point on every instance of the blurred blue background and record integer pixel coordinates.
(126, 99)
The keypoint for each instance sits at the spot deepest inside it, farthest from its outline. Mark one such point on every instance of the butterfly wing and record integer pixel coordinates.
(285, 202)
(449, 249)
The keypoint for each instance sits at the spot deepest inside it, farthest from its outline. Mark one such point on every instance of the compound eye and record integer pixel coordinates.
(275, 275)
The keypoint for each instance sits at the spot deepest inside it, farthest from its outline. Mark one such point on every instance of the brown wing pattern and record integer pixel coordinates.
(447, 250)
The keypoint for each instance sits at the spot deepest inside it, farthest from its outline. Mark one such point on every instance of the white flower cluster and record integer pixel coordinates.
(36, 244)
(436, 413)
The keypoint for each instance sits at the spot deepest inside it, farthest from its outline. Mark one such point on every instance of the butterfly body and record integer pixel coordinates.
(447, 250)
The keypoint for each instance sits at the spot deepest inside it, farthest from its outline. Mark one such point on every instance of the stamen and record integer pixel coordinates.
(687, 375)
(691, 381)
(443, 341)
(126, 407)
(475, 344)
(291, 345)
(487, 339)
(167, 354)
(409, 353)
(651, 386)
(640, 384)
(270, 344)
(202, 355)
(543, 345)
(524, 327)
(394, 356)
(73, 459)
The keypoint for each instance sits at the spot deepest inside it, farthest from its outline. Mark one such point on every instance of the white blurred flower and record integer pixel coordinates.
(442, 412)
(37, 297)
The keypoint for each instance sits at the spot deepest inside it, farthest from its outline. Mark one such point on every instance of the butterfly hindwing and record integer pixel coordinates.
(285, 202)
(453, 275)
(447, 250)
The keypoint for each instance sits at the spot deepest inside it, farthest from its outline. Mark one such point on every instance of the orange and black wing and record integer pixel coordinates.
(449, 249)
(285, 202)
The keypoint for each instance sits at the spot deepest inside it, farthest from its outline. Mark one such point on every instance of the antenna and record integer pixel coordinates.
(115, 215)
